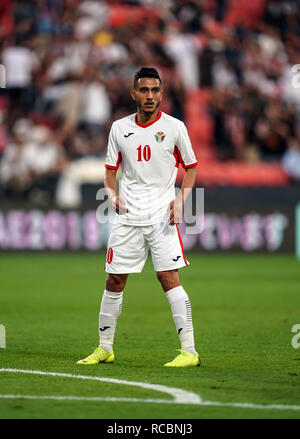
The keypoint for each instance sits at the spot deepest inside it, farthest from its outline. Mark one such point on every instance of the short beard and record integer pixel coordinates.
(139, 105)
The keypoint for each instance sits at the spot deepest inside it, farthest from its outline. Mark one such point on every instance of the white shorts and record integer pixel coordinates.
(128, 246)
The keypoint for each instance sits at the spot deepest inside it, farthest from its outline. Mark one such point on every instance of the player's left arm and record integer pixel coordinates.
(188, 160)
(177, 206)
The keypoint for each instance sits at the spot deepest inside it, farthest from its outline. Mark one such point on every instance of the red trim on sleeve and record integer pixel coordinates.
(193, 165)
(117, 164)
(181, 245)
(148, 124)
(179, 159)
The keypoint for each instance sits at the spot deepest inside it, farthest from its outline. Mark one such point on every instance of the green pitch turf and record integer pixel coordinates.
(243, 307)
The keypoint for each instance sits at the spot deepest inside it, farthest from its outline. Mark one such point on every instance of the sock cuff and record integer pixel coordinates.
(113, 295)
(177, 293)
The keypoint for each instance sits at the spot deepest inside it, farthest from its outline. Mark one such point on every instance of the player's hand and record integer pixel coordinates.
(119, 205)
(176, 212)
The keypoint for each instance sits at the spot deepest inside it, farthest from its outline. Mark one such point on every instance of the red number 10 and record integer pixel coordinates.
(146, 153)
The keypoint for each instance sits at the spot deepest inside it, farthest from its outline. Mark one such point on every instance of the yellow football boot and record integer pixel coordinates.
(99, 355)
(184, 359)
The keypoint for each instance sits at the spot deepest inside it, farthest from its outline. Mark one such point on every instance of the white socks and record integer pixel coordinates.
(111, 307)
(110, 310)
(182, 315)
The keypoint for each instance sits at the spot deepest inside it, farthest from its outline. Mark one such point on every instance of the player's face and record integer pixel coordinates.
(148, 94)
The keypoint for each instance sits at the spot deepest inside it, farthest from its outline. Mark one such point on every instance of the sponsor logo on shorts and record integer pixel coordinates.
(176, 259)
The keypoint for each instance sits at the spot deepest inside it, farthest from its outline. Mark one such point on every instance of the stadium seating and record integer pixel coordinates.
(244, 11)
(212, 172)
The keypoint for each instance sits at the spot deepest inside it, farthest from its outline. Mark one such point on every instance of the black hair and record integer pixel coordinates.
(145, 72)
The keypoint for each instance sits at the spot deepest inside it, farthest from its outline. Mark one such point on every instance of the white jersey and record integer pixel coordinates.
(149, 155)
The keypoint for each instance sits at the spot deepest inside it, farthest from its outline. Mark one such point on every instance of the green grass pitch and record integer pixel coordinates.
(243, 307)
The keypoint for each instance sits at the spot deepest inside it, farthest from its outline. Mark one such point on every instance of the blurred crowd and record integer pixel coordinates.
(69, 67)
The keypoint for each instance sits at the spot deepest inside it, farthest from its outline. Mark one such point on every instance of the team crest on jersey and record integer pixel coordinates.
(159, 137)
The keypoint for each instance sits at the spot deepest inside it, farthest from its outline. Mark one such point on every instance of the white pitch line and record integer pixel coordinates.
(155, 401)
(88, 398)
(180, 396)
(249, 405)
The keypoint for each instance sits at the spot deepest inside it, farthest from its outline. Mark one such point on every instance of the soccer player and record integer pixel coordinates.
(150, 145)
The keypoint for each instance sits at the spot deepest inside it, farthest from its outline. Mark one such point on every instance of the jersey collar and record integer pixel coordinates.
(148, 124)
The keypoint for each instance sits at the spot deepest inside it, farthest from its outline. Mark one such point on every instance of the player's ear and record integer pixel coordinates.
(161, 94)
(132, 94)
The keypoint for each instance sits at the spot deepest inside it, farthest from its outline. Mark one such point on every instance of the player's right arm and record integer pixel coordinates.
(110, 184)
(113, 159)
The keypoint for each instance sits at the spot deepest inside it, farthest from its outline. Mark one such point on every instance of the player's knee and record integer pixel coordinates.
(116, 282)
(168, 279)
(160, 276)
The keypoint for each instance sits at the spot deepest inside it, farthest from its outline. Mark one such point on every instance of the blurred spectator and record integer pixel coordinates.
(12, 167)
(272, 133)
(222, 134)
(96, 107)
(183, 49)
(32, 162)
(92, 17)
(20, 63)
(68, 101)
(44, 160)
